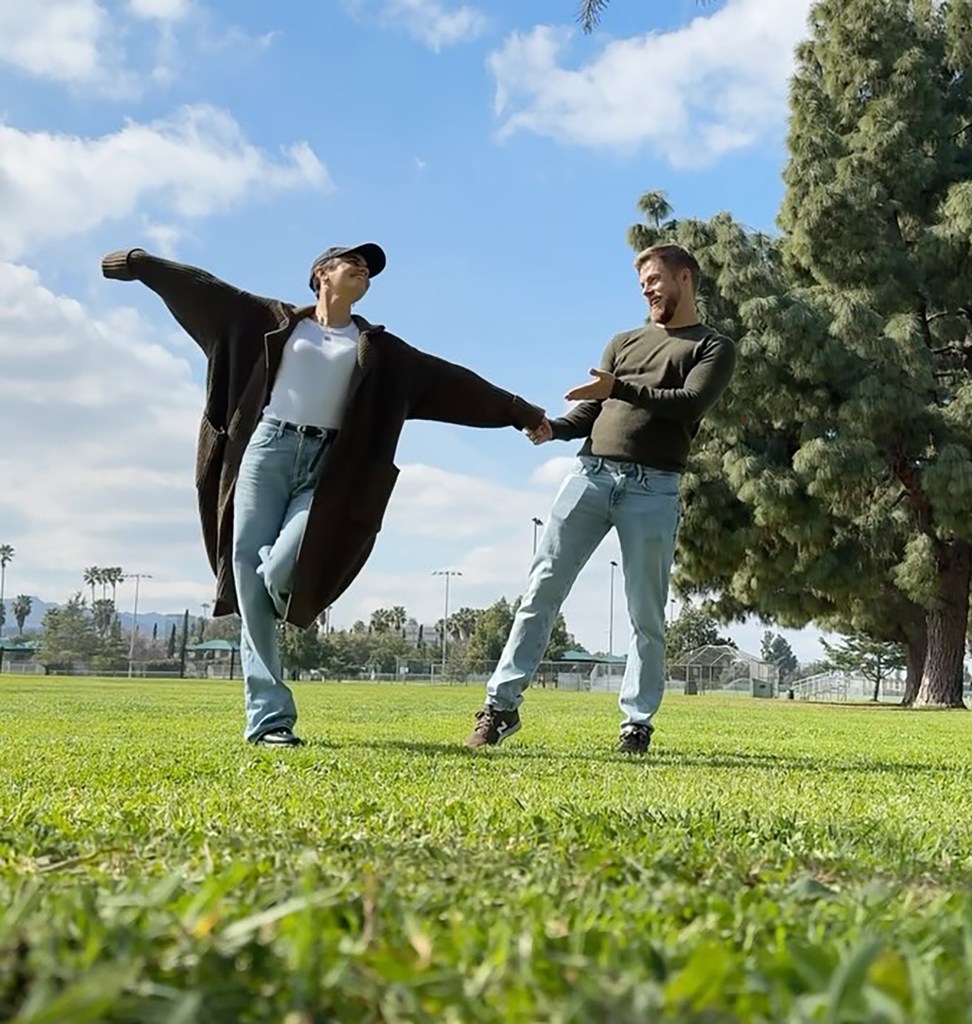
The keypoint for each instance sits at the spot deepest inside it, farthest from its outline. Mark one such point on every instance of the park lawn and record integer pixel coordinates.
(768, 860)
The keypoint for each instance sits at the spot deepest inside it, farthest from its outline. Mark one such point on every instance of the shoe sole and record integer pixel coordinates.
(261, 742)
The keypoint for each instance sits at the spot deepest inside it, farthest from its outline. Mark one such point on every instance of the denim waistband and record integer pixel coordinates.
(637, 470)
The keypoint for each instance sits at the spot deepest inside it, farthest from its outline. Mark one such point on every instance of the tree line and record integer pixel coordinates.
(391, 641)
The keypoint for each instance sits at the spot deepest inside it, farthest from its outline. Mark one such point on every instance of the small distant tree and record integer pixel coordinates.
(873, 659)
(777, 651)
(69, 636)
(693, 628)
(300, 649)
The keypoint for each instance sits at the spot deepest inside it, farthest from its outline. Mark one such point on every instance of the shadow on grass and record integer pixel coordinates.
(661, 758)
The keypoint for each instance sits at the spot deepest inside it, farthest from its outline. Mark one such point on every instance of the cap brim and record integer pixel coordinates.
(373, 255)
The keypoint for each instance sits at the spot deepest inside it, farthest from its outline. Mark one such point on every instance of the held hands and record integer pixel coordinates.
(540, 433)
(596, 390)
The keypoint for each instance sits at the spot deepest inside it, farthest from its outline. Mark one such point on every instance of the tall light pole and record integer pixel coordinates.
(537, 523)
(137, 577)
(614, 566)
(445, 618)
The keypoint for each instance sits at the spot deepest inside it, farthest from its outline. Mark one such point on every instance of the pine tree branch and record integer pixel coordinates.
(961, 131)
(589, 13)
(925, 323)
(901, 234)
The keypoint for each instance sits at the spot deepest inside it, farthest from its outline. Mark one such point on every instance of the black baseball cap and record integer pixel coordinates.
(372, 254)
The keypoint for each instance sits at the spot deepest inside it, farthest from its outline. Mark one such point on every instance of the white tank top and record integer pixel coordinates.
(312, 382)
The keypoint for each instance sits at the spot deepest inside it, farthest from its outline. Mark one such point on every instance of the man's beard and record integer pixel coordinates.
(667, 311)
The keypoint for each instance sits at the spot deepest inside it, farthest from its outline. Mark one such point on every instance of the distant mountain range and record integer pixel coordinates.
(35, 621)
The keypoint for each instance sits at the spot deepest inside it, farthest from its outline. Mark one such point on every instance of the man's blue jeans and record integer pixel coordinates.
(274, 489)
(642, 504)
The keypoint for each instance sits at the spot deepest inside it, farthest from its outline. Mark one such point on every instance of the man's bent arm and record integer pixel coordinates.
(203, 305)
(449, 393)
(703, 386)
(579, 422)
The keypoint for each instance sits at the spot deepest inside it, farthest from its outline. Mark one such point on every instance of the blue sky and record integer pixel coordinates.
(493, 150)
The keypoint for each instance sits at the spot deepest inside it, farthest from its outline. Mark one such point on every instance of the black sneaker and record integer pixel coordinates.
(492, 727)
(634, 739)
(282, 737)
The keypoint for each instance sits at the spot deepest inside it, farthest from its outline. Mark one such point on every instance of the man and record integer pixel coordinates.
(639, 416)
(295, 458)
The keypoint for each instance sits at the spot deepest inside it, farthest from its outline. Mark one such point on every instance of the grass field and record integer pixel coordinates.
(768, 861)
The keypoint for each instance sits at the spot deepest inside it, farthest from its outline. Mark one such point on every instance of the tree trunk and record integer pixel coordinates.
(877, 689)
(916, 649)
(941, 681)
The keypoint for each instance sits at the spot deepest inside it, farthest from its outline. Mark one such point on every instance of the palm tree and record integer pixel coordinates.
(381, 620)
(657, 222)
(91, 577)
(462, 624)
(655, 207)
(397, 617)
(21, 610)
(6, 555)
(589, 13)
(115, 575)
(103, 614)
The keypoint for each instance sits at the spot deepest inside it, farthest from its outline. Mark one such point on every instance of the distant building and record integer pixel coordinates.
(214, 658)
(581, 670)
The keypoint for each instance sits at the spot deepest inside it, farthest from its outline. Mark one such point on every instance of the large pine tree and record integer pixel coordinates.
(878, 228)
(756, 538)
(834, 484)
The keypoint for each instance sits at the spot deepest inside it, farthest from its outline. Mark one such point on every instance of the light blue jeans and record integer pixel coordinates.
(274, 488)
(642, 504)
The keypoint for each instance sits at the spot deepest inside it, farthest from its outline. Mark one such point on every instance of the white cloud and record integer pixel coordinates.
(428, 21)
(551, 472)
(160, 10)
(166, 238)
(434, 24)
(106, 48)
(716, 85)
(433, 502)
(100, 421)
(69, 41)
(194, 163)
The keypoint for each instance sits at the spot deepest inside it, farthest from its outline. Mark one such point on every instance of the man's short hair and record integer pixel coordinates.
(675, 257)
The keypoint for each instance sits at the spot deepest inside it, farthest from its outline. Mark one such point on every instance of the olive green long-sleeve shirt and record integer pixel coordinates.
(666, 380)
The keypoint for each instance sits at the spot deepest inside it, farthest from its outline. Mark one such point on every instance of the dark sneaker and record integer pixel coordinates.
(492, 727)
(282, 737)
(634, 739)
